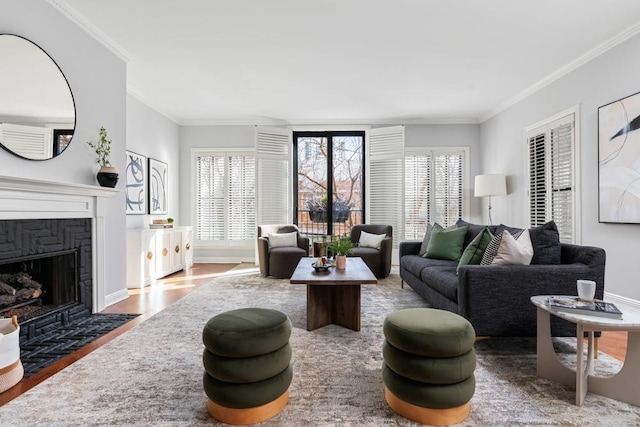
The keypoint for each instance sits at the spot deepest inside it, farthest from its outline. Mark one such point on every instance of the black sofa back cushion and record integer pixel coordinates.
(546, 244)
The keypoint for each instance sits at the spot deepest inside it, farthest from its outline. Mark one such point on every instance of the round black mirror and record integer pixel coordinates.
(37, 111)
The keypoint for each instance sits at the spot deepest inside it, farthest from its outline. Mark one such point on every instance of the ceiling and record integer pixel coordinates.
(348, 61)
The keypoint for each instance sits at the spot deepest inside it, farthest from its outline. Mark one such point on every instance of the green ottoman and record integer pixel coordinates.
(247, 365)
(428, 365)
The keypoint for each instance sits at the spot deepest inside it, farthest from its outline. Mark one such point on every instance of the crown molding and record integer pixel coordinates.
(573, 65)
(159, 110)
(266, 121)
(90, 29)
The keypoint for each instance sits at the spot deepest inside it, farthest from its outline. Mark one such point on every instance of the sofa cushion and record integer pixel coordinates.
(514, 250)
(444, 280)
(425, 240)
(280, 240)
(475, 250)
(415, 264)
(446, 244)
(546, 244)
(370, 240)
(512, 230)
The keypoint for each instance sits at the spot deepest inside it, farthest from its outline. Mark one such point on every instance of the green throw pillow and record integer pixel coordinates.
(446, 244)
(474, 251)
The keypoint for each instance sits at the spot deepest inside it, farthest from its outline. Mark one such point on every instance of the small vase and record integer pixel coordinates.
(341, 262)
(107, 176)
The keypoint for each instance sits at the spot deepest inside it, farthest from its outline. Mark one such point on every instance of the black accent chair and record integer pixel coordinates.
(378, 260)
(280, 262)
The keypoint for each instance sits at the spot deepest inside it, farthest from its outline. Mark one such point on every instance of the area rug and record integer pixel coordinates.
(152, 374)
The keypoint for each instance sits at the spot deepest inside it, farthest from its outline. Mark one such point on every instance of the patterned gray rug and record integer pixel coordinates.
(151, 375)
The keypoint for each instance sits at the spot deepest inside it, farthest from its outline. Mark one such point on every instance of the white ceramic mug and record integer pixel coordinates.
(586, 290)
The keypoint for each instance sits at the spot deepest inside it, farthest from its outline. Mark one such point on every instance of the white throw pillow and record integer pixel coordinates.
(371, 240)
(512, 251)
(278, 240)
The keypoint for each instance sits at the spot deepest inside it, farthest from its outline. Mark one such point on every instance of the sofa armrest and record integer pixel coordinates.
(386, 250)
(263, 254)
(303, 243)
(409, 247)
(588, 255)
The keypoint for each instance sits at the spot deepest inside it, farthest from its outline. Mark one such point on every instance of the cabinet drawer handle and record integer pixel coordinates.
(149, 255)
(165, 252)
(188, 246)
(177, 249)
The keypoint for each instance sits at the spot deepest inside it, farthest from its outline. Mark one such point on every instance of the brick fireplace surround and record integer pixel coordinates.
(58, 206)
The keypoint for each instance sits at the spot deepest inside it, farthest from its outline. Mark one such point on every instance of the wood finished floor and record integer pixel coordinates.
(152, 299)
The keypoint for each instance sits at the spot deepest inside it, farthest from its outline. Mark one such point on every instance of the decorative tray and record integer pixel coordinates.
(321, 267)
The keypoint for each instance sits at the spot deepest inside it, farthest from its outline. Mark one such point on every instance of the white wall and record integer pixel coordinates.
(609, 77)
(153, 135)
(98, 81)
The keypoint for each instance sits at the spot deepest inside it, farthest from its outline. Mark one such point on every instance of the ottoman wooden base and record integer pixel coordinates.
(247, 415)
(434, 417)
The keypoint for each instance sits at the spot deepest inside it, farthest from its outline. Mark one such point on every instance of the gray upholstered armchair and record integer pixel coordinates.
(280, 260)
(378, 260)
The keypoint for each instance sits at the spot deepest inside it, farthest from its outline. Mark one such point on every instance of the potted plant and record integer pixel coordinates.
(340, 246)
(318, 207)
(107, 175)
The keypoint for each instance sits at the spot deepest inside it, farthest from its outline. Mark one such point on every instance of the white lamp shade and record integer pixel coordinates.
(490, 185)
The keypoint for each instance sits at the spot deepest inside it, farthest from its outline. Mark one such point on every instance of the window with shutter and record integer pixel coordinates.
(551, 175)
(225, 197)
(434, 189)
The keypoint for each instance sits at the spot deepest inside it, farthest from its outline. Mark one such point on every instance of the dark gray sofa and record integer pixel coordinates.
(495, 298)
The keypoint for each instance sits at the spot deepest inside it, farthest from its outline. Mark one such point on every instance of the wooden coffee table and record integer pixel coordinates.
(333, 296)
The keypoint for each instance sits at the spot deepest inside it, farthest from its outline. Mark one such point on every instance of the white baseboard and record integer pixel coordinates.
(609, 297)
(116, 297)
(213, 260)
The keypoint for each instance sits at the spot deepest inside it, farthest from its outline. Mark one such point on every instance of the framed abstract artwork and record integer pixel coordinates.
(158, 187)
(136, 183)
(619, 161)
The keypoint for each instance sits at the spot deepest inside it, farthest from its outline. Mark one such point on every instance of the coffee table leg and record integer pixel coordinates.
(319, 306)
(347, 307)
(548, 364)
(622, 386)
(328, 304)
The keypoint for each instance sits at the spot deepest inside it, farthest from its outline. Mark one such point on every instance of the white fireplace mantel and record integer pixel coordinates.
(24, 198)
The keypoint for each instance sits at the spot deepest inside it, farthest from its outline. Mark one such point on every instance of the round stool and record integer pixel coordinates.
(246, 360)
(428, 365)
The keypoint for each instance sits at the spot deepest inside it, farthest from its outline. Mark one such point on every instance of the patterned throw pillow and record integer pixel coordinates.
(493, 246)
(514, 249)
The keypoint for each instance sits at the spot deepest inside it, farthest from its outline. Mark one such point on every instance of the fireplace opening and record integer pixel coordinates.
(35, 286)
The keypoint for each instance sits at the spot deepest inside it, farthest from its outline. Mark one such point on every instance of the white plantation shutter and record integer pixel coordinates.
(32, 142)
(385, 170)
(562, 179)
(434, 189)
(417, 188)
(210, 217)
(273, 177)
(241, 205)
(447, 187)
(552, 185)
(225, 197)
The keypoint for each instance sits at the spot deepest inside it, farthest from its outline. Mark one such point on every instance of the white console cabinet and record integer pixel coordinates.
(155, 253)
